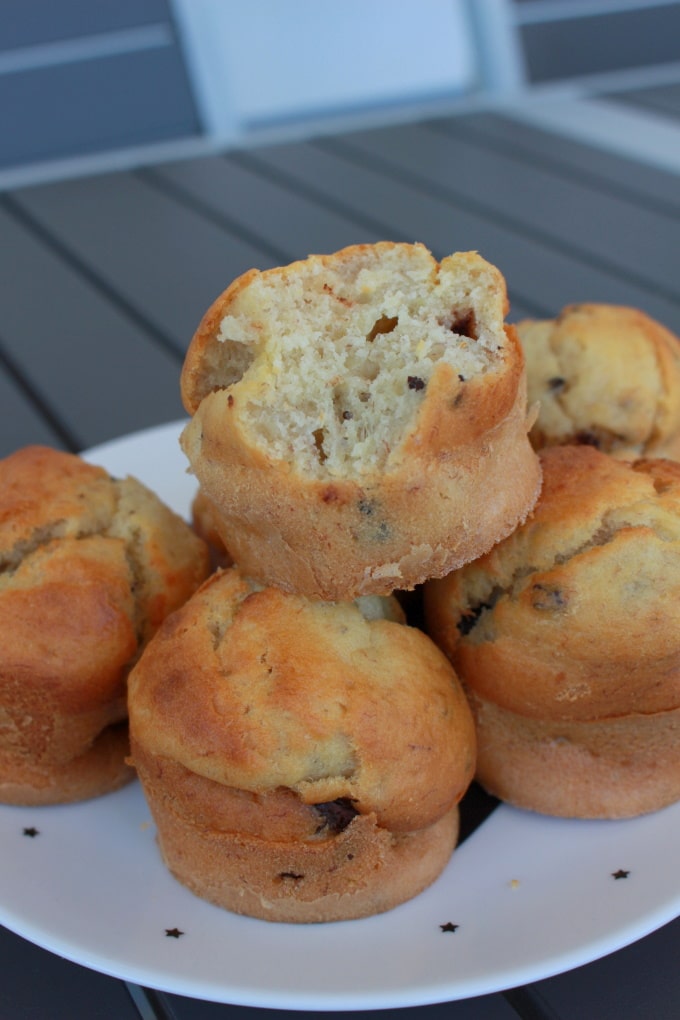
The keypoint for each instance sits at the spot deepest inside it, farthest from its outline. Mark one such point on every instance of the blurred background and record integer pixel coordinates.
(88, 85)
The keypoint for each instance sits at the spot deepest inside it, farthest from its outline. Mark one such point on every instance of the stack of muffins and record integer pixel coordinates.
(567, 634)
(358, 426)
(358, 429)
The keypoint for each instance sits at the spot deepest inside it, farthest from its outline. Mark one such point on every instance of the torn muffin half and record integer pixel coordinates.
(359, 419)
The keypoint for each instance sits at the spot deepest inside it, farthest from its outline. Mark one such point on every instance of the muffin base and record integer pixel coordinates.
(363, 870)
(603, 768)
(271, 857)
(101, 769)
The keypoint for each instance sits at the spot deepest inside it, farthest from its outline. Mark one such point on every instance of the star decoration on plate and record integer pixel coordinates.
(620, 874)
(449, 927)
(31, 831)
(173, 933)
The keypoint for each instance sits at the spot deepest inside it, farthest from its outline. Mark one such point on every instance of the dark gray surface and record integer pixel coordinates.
(398, 210)
(487, 1007)
(103, 280)
(619, 253)
(36, 985)
(595, 43)
(641, 981)
(662, 99)
(36, 22)
(63, 95)
(435, 204)
(162, 259)
(23, 420)
(285, 222)
(91, 106)
(596, 226)
(96, 369)
(638, 183)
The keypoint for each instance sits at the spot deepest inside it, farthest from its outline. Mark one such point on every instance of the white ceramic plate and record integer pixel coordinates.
(526, 896)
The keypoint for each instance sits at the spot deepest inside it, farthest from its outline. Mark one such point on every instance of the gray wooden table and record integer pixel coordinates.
(103, 280)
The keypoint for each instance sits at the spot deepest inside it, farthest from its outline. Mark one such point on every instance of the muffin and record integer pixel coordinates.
(89, 567)
(607, 376)
(359, 419)
(205, 522)
(303, 760)
(567, 639)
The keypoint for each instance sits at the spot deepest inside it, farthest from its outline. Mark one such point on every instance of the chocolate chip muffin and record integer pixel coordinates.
(607, 376)
(359, 419)
(303, 760)
(205, 522)
(89, 567)
(567, 639)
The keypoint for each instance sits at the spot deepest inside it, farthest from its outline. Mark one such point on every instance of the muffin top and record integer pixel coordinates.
(333, 362)
(604, 375)
(577, 614)
(89, 566)
(260, 690)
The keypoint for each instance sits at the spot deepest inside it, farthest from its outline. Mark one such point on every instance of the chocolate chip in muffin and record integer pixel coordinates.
(557, 384)
(336, 814)
(588, 438)
(469, 618)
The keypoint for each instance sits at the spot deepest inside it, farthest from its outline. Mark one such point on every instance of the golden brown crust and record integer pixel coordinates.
(616, 768)
(453, 476)
(574, 621)
(205, 521)
(193, 377)
(100, 769)
(606, 375)
(90, 566)
(254, 711)
(340, 539)
(329, 704)
(276, 867)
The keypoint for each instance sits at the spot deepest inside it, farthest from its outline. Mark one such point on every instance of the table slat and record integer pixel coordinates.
(639, 183)
(163, 259)
(625, 249)
(293, 223)
(22, 420)
(414, 214)
(642, 980)
(485, 1007)
(97, 371)
(37, 984)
